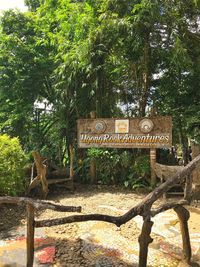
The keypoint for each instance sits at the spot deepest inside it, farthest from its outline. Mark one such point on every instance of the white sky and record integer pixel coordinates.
(7, 4)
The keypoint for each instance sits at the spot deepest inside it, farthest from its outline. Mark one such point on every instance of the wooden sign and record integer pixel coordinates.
(151, 132)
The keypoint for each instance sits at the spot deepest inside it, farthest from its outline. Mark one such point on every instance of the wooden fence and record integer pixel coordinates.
(144, 209)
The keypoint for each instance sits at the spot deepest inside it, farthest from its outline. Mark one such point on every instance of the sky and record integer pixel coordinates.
(7, 4)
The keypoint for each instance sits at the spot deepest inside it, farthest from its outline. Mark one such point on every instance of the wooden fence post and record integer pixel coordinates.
(71, 170)
(144, 241)
(30, 235)
(184, 215)
(152, 164)
(93, 167)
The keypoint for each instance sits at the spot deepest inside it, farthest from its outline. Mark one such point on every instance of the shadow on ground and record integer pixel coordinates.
(12, 217)
(81, 253)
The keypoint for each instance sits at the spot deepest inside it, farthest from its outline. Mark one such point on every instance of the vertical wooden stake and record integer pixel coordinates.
(184, 215)
(30, 235)
(152, 164)
(93, 115)
(93, 167)
(144, 241)
(71, 170)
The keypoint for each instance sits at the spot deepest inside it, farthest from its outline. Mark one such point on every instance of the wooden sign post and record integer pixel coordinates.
(93, 165)
(151, 132)
(152, 164)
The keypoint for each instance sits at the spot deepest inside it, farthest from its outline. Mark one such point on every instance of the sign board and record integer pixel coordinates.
(148, 132)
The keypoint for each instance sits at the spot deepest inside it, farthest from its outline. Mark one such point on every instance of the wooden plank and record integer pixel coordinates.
(56, 181)
(174, 193)
(151, 132)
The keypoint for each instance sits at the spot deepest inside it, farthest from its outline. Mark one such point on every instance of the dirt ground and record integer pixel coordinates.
(74, 244)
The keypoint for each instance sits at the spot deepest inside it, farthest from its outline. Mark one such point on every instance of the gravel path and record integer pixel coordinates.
(97, 244)
(73, 247)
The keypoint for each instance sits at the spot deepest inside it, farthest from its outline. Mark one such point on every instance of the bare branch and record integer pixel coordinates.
(39, 204)
(80, 218)
(168, 206)
(143, 208)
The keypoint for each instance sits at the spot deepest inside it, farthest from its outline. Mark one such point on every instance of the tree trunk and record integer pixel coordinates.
(184, 144)
(145, 76)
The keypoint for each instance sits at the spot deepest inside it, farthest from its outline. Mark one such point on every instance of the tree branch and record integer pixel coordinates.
(79, 218)
(168, 206)
(39, 204)
(141, 209)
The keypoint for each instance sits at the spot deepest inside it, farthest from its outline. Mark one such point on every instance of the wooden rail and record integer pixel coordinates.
(144, 209)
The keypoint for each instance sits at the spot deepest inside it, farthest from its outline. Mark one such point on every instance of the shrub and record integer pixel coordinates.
(120, 167)
(12, 161)
(108, 164)
(140, 172)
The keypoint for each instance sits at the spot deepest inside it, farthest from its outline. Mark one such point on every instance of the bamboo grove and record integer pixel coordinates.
(62, 59)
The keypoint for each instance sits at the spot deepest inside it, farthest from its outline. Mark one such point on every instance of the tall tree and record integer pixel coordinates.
(103, 55)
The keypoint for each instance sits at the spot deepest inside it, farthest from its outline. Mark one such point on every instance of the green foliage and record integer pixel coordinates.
(24, 68)
(142, 166)
(12, 162)
(114, 167)
(32, 4)
(140, 172)
(108, 164)
(100, 55)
